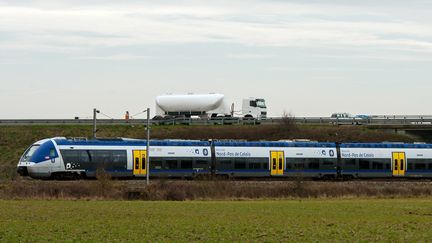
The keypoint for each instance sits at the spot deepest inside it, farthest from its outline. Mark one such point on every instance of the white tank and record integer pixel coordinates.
(191, 103)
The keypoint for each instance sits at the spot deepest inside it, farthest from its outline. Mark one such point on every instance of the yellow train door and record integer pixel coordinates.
(139, 164)
(399, 163)
(277, 159)
(281, 162)
(274, 163)
(402, 164)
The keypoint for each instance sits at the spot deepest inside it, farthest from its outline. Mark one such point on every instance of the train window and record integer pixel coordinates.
(119, 156)
(349, 161)
(328, 162)
(265, 165)
(420, 166)
(101, 156)
(240, 165)
(224, 164)
(201, 162)
(52, 153)
(29, 153)
(137, 163)
(171, 164)
(289, 163)
(186, 164)
(84, 156)
(108, 159)
(349, 164)
(299, 164)
(387, 165)
(377, 165)
(70, 156)
(155, 164)
(313, 164)
(255, 166)
(410, 166)
(364, 164)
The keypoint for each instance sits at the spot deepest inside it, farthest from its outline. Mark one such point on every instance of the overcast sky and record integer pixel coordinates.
(59, 59)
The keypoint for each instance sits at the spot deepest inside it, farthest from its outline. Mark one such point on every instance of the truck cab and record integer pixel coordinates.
(254, 108)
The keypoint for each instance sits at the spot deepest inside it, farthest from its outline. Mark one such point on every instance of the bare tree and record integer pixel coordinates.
(288, 121)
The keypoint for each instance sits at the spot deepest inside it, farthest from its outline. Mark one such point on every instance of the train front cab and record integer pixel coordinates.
(40, 160)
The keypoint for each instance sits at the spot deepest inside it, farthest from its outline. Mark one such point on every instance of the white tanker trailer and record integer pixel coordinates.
(206, 106)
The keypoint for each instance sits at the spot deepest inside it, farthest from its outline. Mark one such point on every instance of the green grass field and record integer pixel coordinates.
(397, 220)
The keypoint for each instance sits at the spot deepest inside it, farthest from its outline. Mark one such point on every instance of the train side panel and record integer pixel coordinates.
(311, 162)
(398, 162)
(276, 160)
(119, 161)
(180, 161)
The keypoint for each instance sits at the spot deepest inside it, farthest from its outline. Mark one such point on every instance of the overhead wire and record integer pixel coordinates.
(105, 115)
(138, 113)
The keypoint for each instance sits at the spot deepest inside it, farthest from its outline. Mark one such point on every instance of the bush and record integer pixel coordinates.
(8, 172)
(210, 190)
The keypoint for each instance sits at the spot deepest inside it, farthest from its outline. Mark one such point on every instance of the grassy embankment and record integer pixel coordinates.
(15, 139)
(398, 220)
(178, 190)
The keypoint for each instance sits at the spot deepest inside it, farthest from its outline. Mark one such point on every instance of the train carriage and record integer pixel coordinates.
(61, 157)
(275, 159)
(385, 160)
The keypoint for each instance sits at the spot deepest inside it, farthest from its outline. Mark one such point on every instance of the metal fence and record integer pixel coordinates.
(376, 120)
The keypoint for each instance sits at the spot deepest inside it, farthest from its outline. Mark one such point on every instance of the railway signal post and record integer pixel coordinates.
(148, 148)
(95, 111)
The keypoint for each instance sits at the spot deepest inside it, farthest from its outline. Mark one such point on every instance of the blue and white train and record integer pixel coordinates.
(57, 158)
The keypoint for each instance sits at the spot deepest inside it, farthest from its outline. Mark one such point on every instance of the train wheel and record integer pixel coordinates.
(76, 176)
(57, 176)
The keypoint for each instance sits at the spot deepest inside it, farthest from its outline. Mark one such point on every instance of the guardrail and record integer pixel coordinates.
(378, 120)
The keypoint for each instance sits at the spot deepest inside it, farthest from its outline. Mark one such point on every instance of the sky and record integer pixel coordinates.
(61, 59)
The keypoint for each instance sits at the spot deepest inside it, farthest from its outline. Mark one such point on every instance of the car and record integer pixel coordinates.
(342, 115)
(345, 119)
(363, 117)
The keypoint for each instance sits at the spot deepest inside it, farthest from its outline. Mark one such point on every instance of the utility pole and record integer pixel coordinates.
(95, 111)
(148, 147)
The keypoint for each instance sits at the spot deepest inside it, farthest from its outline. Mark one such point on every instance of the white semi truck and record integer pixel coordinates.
(207, 106)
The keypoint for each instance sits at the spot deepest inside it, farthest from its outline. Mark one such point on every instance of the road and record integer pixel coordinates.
(376, 120)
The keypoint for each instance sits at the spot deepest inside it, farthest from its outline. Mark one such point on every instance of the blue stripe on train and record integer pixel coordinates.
(268, 171)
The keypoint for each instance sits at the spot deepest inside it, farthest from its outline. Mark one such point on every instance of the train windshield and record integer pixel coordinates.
(261, 103)
(28, 154)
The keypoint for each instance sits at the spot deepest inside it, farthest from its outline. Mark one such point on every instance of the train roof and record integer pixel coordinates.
(385, 145)
(129, 142)
(233, 143)
(141, 142)
(273, 144)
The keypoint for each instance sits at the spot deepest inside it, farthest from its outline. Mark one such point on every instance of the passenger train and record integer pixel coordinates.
(57, 158)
